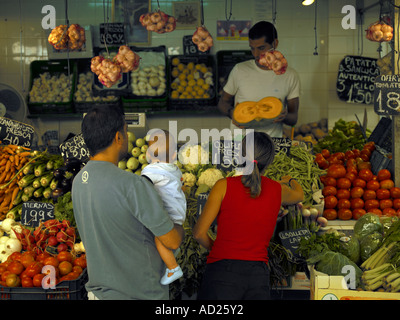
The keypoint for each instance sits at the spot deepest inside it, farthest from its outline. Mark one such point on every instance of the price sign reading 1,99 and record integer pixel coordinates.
(387, 95)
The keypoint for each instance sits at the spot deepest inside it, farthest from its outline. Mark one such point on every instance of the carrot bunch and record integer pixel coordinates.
(12, 160)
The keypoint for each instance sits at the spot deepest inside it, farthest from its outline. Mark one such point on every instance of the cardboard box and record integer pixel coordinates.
(324, 287)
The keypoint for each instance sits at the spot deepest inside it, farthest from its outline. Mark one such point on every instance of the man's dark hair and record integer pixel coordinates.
(263, 29)
(99, 127)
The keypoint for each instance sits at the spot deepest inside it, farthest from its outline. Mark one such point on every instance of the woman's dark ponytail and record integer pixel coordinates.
(262, 157)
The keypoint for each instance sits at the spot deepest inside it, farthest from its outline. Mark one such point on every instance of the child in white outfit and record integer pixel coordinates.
(167, 179)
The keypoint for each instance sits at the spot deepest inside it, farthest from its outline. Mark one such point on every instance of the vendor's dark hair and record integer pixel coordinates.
(263, 29)
(99, 127)
(261, 158)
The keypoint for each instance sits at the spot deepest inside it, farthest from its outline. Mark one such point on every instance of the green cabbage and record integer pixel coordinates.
(367, 224)
(350, 247)
(369, 244)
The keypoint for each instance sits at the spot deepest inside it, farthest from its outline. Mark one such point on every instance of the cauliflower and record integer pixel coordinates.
(188, 179)
(209, 177)
(192, 156)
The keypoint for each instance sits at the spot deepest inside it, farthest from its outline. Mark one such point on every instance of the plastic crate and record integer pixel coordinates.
(379, 160)
(83, 67)
(118, 89)
(382, 134)
(65, 290)
(226, 60)
(54, 68)
(150, 57)
(194, 103)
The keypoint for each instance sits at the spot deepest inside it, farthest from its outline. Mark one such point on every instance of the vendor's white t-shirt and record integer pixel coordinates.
(247, 82)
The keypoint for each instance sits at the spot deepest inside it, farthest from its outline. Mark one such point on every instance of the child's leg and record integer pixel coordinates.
(173, 271)
(166, 255)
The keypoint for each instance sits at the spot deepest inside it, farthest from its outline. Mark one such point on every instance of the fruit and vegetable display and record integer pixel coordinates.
(63, 37)
(191, 80)
(202, 39)
(379, 32)
(84, 92)
(275, 61)
(372, 250)
(109, 71)
(49, 87)
(136, 159)
(149, 81)
(158, 21)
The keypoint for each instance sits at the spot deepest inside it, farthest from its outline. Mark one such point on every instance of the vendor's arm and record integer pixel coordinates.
(209, 214)
(225, 104)
(290, 115)
(292, 192)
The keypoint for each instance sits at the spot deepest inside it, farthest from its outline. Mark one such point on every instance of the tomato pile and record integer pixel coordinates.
(351, 189)
(51, 243)
(25, 269)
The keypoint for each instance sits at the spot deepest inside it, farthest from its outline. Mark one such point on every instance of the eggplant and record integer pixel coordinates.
(65, 185)
(56, 193)
(59, 173)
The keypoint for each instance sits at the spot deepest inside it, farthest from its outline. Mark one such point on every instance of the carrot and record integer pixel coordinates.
(3, 176)
(16, 160)
(8, 165)
(8, 150)
(3, 161)
(24, 154)
(13, 196)
(11, 158)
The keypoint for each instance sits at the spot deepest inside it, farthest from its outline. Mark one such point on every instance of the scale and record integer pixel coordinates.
(137, 124)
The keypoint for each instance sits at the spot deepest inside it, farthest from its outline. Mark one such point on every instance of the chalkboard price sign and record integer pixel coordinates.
(34, 212)
(291, 239)
(16, 133)
(282, 144)
(356, 77)
(75, 148)
(112, 33)
(226, 154)
(387, 95)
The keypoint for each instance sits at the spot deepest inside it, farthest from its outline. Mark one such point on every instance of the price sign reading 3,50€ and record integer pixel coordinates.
(387, 95)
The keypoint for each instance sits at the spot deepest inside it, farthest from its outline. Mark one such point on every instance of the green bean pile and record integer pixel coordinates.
(299, 165)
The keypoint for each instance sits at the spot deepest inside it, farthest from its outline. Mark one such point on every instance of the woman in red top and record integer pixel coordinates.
(246, 208)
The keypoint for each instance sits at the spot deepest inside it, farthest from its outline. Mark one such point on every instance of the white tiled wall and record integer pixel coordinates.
(23, 40)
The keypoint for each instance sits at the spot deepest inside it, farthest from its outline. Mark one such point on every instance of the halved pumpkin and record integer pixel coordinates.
(266, 108)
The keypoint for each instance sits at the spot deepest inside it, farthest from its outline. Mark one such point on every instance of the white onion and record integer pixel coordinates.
(13, 245)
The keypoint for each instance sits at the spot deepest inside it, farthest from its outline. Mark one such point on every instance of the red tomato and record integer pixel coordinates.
(384, 174)
(359, 183)
(356, 152)
(376, 211)
(373, 185)
(365, 174)
(343, 204)
(369, 195)
(329, 181)
(351, 176)
(330, 214)
(356, 192)
(4, 275)
(336, 171)
(389, 212)
(64, 256)
(358, 213)
(396, 203)
(330, 202)
(357, 203)
(65, 267)
(387, 184)
(345, 214)
(343, 183)
(343, 194)
(51, 261)
(386, 203)
(349, 154)
(37, 279)
(26, 282)
(13, 280)
(34, 268)
(365, 154)
(371, 204)
(326, 153)
(329, 191)
(27, 258)
(16, 267)
(352, 169)
(383, 194)
(395, 192)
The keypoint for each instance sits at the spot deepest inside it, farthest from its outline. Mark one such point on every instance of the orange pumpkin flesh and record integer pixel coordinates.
(266, 108)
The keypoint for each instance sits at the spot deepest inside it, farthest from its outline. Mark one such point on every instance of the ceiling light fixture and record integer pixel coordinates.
(307, 2)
